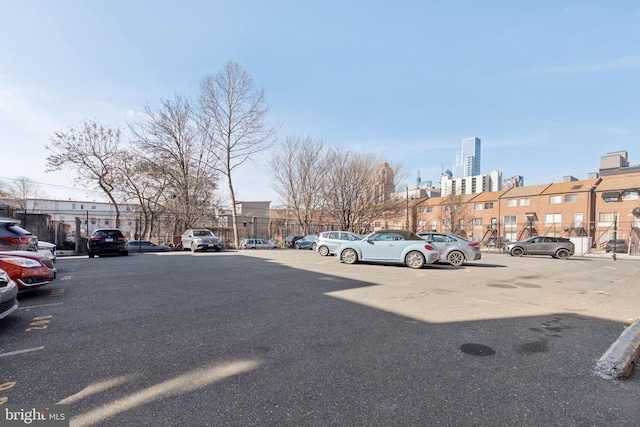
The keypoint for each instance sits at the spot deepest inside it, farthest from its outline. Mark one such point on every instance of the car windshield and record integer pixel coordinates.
(202, 233)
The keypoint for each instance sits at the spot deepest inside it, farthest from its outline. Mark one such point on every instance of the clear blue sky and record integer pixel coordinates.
(549, 86)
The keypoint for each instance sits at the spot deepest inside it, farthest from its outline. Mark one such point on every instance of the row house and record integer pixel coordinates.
(595, 209)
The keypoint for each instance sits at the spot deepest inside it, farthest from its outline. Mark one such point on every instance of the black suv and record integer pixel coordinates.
(15, 238)
(107, 241)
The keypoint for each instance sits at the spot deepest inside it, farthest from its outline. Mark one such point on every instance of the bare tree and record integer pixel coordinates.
(349, 189)
(294, 169)
(232, 115)
(19, 190)
(93, 150)
(454, 214)
(178, 162)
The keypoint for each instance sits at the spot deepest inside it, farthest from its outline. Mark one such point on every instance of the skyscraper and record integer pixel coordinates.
(468, 160)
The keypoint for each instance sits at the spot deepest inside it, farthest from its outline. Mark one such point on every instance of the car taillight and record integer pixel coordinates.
(16, 239)
(474, 245)
(121, 239)
(429, 248)
(95, 239)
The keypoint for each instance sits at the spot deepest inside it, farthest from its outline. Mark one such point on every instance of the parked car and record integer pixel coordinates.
(30, 270)
(48, 249)
(13, 237)
(389, 246)
(257, 244)
(454, 249)
(200, 239)
(8, 295)
(146, 246)
(557, 247)
(328, 241)
(620, 246)
(307, 242)
(290, 241)
(107, 241)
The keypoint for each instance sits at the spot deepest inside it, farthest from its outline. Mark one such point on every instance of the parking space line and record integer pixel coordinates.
(39, 306)
(28, 350)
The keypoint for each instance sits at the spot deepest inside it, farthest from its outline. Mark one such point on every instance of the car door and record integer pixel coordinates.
(380, 247)
(442, 242)
(535, 246)
(187, 238)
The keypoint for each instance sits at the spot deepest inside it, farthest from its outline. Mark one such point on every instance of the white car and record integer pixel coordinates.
(200, 239)
(257, 244)
(328, 241)
(48, 249)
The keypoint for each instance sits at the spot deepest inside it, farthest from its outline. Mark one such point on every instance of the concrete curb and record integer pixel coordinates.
(619, 359)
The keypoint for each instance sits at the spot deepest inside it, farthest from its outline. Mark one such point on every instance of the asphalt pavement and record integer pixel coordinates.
(290, 338)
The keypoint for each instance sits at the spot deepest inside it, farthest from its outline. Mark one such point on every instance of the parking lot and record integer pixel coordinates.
(287, 337)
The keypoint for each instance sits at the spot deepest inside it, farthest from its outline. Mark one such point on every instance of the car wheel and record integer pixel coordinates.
(517, 252)
(414, 259)
(455, 258)
(313, 247)
(349, 256)
(194, 247)
(324, 251)
(92, 255)
(297, 246)
(562, 254)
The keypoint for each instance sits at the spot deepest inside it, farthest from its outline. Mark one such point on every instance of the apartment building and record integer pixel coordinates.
(594, 209)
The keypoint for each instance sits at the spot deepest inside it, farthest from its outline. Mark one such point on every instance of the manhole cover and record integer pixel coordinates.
(477, 349)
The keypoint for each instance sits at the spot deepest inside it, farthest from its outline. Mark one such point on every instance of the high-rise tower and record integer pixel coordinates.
(468, 160)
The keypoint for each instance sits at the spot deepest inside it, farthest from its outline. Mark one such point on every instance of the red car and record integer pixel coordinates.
(30, 270)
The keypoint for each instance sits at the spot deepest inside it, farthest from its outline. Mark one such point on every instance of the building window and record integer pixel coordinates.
(93, 221)
(429, 209)
(477, 206)
(476, 221)
(488, 205)
(525, 201)
(554, 200)
(62, 219)
(377, 224)
(630, 195)
(423, 210)
(93, 207)
(422, 223)
(396, 223)
(106, 222)
(434, 225)
(510, 220)
(611, 196)
(606, 219)
(512, 202)
(81, 206)
(570, 198)
(553, 218)
(73, 205)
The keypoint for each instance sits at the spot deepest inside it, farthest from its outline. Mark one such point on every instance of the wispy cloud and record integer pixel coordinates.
(630, 62)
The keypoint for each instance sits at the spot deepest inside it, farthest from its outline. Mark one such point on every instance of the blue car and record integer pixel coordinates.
(389, 247)
(307, 242)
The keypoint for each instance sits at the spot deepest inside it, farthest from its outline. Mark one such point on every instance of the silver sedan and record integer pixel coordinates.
(454, 249)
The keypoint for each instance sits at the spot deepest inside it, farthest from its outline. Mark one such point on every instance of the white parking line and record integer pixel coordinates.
(38, 306)
(13, 353)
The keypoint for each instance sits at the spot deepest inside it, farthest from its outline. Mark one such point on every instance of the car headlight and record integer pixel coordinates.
(22, 262)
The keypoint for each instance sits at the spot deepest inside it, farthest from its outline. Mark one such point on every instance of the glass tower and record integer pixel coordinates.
(468, 160)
